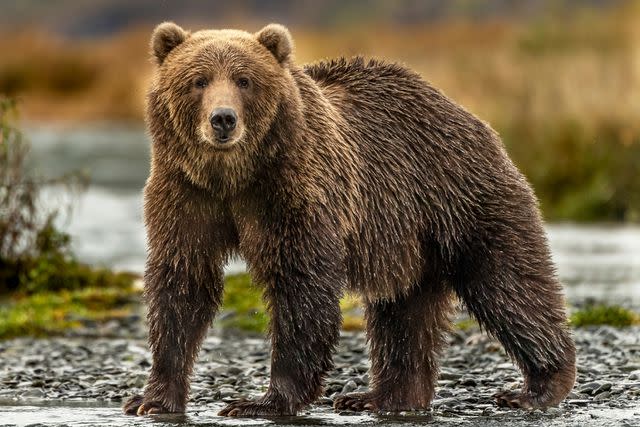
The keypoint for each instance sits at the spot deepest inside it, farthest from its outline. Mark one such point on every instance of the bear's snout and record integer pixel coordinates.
(223, 121)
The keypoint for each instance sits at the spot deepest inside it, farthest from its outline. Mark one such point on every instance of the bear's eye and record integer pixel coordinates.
(243, 82)
(201, 82)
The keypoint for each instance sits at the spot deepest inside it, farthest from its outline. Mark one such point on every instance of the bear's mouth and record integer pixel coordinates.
(217, 145)
(221, 142)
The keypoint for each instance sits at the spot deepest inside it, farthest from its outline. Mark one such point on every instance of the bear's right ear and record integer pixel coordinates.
(165, 38)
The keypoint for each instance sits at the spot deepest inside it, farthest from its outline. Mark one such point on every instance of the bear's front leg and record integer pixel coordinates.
(180, 311)
(303, 282)
(305, 325)
(183, 288)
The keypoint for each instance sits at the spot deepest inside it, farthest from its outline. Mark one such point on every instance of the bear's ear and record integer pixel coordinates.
(277, 40)
(165, 38)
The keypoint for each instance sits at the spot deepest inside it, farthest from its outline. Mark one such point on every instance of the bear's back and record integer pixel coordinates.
(430, 170)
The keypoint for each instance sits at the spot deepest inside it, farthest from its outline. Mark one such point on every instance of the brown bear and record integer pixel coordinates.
(349, 175)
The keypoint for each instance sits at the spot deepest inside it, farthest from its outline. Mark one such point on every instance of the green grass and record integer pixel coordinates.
(579, 173)
(53, 313)
(602, 314)
(467, 324)
(244, 301)
(47, 313)
(245, 309)
(352, 313)
(244, 305)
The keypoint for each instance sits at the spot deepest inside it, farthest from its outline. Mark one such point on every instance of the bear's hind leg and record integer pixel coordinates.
(524, 309)
(405, 338)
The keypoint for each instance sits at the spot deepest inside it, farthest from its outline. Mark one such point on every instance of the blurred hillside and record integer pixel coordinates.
(560, 80)
(104, 17)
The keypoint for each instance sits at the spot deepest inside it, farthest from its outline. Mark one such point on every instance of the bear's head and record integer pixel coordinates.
(217, 94)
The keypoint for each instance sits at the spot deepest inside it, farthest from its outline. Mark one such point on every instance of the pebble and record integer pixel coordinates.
(589, 388)
(599, 397)
(226, 391)
(603, 387)
(33, 393)
(349, 386)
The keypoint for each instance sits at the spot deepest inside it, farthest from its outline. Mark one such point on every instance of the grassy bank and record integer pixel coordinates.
(48, 313)
(54, 313)
(243, 309)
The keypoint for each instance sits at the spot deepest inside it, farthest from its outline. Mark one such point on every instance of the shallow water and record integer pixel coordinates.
(599, 261)
(81, 413)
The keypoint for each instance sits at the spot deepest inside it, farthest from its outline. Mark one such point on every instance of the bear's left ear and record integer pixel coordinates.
(277, 39)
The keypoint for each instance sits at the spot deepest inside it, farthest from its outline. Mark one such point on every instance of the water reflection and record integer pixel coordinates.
(97, 413)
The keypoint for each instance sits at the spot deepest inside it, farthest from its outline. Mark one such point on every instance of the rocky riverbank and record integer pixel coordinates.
(104, 371)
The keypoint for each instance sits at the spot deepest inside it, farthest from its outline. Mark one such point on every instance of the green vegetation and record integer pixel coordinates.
(47, 313)
(244, 309)
(467, 324)
(50, 313)
(579, 173)
(352, 313)
(42, 286)
(243, 305)
(602, 314)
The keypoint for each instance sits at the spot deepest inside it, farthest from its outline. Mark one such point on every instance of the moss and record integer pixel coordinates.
(54, 312)
(467, 324)
(243, 304)
(244, 309)
(51, 313)
(352, 313)
(603, 314)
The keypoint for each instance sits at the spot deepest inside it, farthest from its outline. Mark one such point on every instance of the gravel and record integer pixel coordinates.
(107, 370)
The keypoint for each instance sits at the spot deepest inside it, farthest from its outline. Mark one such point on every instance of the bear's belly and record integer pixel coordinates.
(383, 266)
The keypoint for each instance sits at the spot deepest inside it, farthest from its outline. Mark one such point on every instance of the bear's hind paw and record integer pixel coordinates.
(515, 399)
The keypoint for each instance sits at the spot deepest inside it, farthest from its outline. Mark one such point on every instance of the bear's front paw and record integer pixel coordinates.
(136, 405)
(250, 408)
(357, 402)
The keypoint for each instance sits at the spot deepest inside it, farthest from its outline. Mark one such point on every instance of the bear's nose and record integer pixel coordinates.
(223, 121)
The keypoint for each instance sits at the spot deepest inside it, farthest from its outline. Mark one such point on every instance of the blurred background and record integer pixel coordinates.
(559, 80)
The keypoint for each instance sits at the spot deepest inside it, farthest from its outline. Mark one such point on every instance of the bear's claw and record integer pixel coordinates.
(515, 399)
(356, 402)
(137, 406)
(250, 408)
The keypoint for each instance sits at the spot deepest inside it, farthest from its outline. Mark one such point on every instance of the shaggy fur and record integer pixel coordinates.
(345, 175)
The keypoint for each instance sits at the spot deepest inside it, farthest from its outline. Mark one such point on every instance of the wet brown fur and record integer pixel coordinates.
(347, 175)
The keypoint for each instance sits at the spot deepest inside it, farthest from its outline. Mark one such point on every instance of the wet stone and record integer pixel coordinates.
(603, 387)
(349, 387)
(33, 393)
(468, 381)
(589, 388)
(234, 370)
